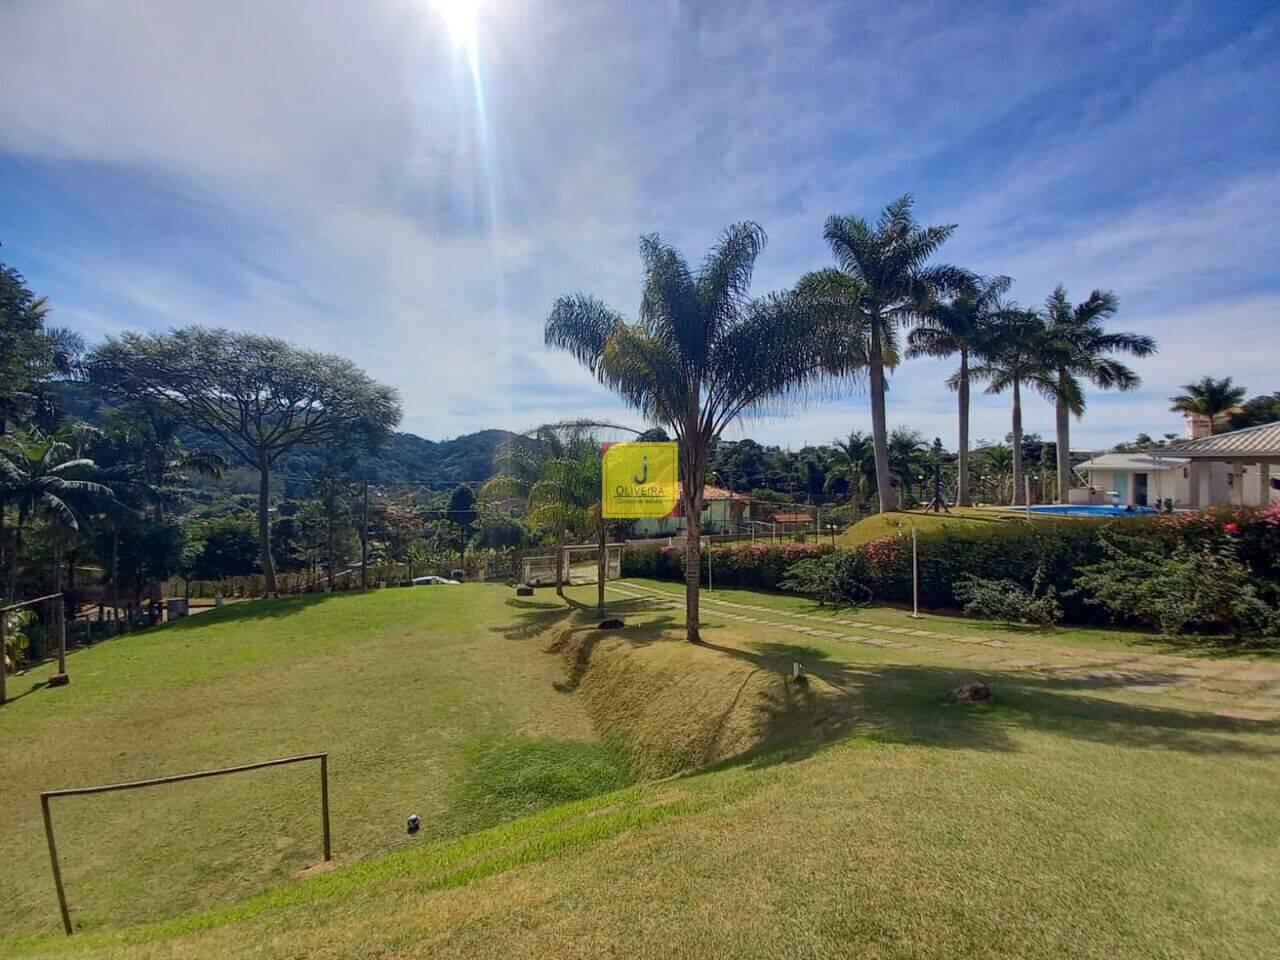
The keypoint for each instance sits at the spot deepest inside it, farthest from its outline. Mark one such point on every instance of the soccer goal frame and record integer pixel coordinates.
(47, 795)
(579, 564)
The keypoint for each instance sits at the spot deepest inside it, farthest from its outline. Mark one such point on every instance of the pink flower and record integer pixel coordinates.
(1232, 528)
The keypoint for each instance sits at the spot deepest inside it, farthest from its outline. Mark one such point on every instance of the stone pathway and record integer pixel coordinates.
(1239, 689)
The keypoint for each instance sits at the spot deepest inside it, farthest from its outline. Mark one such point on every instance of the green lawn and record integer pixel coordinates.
(959, 518)
(863, 814)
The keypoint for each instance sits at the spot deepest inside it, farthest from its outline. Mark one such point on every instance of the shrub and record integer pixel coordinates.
(14, 640)
(1009, 601)
(757, 565)
(833, 579)
(1200, 586)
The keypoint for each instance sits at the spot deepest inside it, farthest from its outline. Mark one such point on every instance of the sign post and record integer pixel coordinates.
(638, 480)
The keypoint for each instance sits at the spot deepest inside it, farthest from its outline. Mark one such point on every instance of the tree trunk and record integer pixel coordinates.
(964, 497)
(692, 559)
(264, 523)
(602, 565)
(1017, 497)
(559, 561)
(1063, 417)
(879, 427)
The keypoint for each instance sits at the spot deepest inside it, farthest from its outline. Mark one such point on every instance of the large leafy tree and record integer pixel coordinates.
(964, 324)
(882, 281)
(1082, 351)
(1212, 399)
(703, 352)
(259, 395)
(1018, 359)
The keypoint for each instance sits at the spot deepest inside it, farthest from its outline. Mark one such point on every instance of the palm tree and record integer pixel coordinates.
(855, 461)
(566, 499)
(882, 281)
(908, 455)
(1212, 399)
(1081, 349)
(1019, 358)
(41, 477)
(994, 462)
(962, 324)
(701, 353)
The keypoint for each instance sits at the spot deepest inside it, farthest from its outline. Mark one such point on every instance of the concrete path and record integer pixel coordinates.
(1239, 689)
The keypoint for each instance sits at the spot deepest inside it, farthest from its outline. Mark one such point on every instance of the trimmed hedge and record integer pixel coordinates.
(1011, 550)
(759, 566)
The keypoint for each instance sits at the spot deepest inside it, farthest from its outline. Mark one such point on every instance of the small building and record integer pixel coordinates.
(1201, 471)
(789, 521)
(722, 512)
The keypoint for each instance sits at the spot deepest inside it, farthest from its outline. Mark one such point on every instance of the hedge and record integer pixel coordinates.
(1012, 550)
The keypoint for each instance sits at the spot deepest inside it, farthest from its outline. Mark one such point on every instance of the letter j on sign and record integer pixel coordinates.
(640, 480)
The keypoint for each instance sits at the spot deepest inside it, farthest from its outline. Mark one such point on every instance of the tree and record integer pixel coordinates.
(259, 395)
(856, 461)
(701, 353)
(1256, 411)
(964, 324)
(229, 549)
(40, 477)
(566, 499)
(1215, 400)
(908, 456)
(1019, 358)
(882, 281)
(1081, 350)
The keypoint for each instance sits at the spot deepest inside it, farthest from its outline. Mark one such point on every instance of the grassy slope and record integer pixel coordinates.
(428, 700)
(1061, 822)
(890, 524)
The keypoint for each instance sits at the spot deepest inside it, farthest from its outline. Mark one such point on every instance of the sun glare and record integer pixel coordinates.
(461, 17)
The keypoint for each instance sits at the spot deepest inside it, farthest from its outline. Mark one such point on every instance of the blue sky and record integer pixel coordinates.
(383, 181)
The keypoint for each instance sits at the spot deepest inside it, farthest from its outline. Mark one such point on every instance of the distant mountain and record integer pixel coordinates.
(405, 458)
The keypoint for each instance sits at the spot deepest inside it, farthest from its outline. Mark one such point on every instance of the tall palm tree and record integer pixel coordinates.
(855, 461)
(1019, 358)
(1212, 399)
(881, 281)
(701, 353)
(1082, 350)
(965, 324)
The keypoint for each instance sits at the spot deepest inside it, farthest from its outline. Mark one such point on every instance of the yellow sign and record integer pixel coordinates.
(640, 480)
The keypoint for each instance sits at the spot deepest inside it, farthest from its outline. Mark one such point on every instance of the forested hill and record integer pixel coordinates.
(405, 457)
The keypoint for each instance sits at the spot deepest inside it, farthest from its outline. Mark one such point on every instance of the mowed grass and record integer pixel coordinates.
(428, 700)
(876, 818)
(879, 525)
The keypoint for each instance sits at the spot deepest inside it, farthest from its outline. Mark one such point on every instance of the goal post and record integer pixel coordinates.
(579, 564)
(47, 795)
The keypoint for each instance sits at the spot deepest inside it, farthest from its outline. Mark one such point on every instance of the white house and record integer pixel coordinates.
(1235, 467)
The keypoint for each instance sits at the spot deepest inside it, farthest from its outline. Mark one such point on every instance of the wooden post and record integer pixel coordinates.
(324, 803)
(364, 544)
(60, 605)
(53, 860)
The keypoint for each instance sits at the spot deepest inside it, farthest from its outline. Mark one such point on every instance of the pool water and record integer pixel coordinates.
(1092, 510)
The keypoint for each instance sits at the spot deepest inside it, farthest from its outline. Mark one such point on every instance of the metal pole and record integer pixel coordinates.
(709, 586)
(1027, 496)
(324, 802)
(53, 859)
(602, 565)
(915, 572)
(364, 543)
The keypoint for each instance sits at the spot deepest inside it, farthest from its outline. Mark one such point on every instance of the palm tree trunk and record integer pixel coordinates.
(964, 497)
(692, 560)
(264, 523)
(1063, 416)
(1017, 497)
(559, 560)
(879, 426)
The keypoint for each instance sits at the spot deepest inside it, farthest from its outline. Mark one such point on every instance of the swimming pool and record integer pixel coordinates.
(1091, 510)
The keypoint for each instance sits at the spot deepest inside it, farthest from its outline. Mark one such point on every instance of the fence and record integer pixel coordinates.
(56, 623)
(48, 795)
